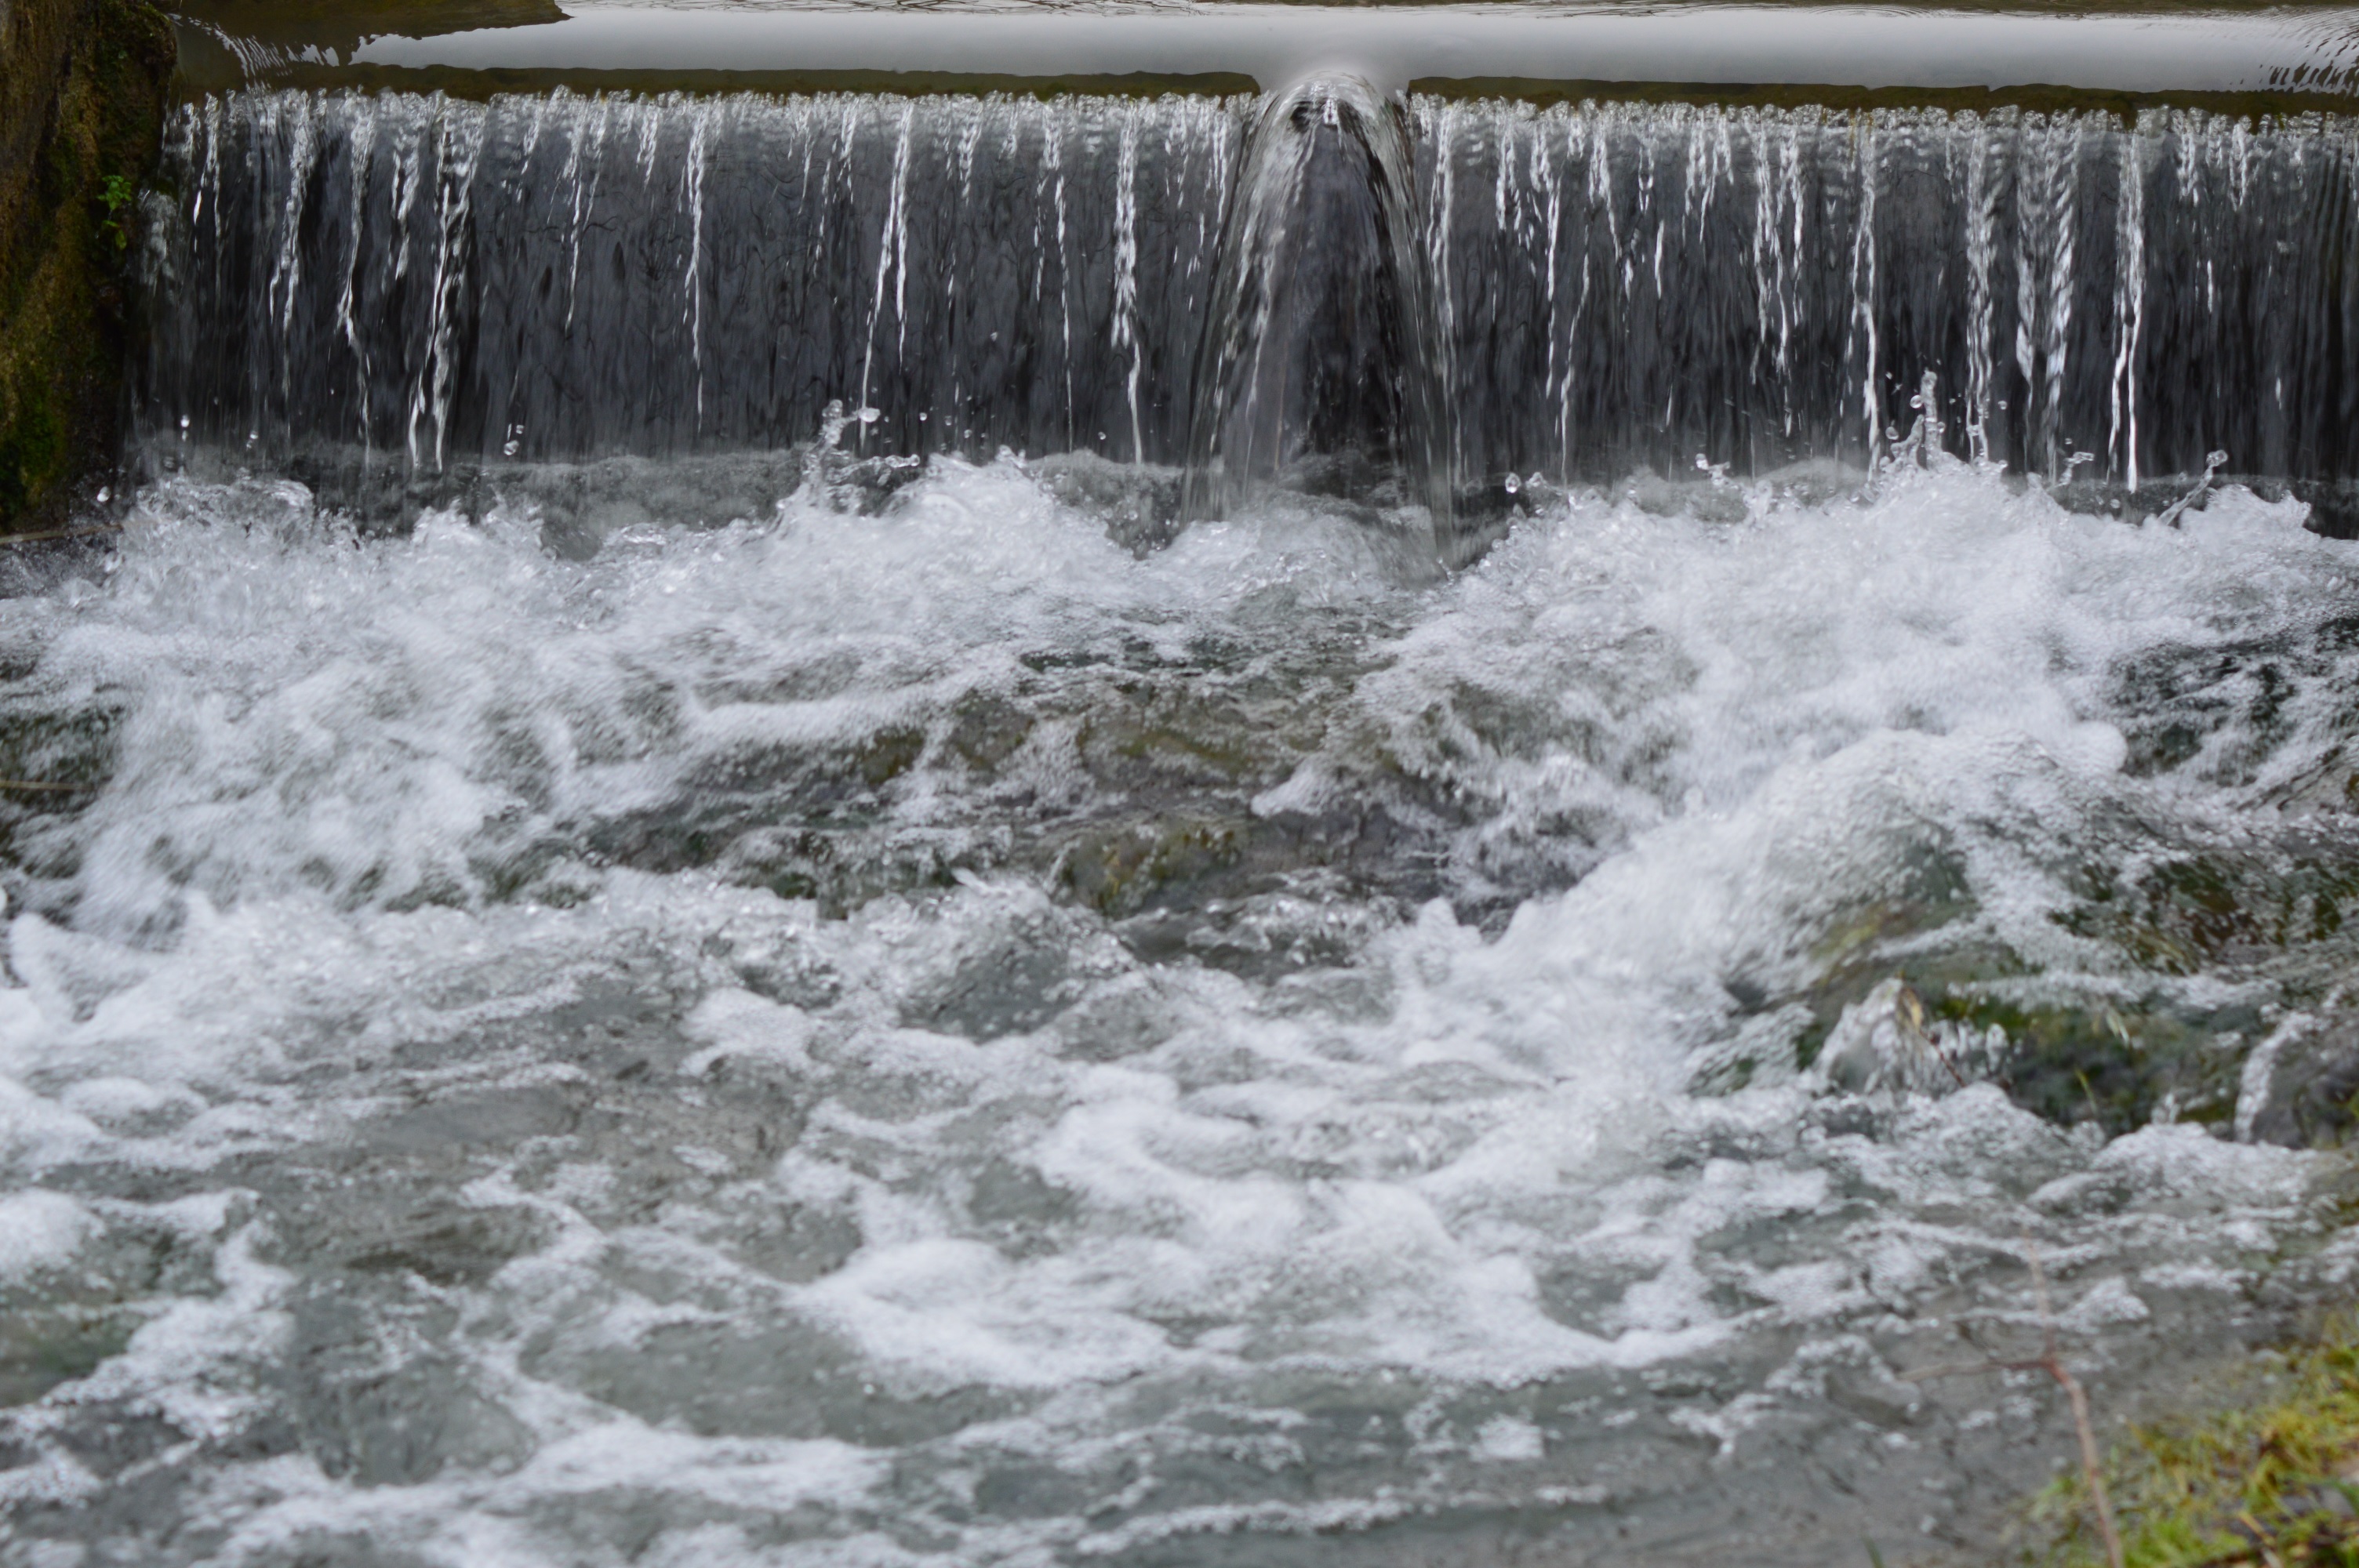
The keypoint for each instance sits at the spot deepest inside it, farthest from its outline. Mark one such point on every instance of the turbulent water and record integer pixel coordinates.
(915, 1036)
(770, 841)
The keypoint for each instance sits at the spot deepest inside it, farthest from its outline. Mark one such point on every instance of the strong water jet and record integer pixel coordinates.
(1318, 363)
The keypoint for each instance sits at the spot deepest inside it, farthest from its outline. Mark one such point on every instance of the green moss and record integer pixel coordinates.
(2116, 1063)
(2185, 915)
(1121, 873)
(2273, 1478)
(34, 449)
(2071, 1055)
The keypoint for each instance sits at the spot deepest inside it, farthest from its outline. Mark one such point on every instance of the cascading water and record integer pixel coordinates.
(1639, 286)
(634, 938)
(1582, 293)
(428, 281)
(1318, 358)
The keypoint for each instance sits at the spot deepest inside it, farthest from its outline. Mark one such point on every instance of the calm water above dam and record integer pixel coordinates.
(1327, 825)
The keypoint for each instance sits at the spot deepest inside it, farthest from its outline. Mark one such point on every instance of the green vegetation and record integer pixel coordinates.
(2274, 1479)
(115, 193)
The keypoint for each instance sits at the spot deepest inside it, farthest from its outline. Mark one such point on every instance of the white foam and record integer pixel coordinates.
(331, 750)
(41, 1232)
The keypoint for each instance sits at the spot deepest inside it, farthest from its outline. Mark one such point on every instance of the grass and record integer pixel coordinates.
(2274, 1481)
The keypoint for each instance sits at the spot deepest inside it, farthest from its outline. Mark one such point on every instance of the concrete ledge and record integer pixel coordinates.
(2306, 57)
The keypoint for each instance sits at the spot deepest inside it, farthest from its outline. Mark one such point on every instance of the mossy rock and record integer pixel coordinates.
(2069, 1055)
(986, 730)
(1163, 736)
(2072, 1053)
(68, 748)
(2116, 1064)
(81, 102)
(1120, 871)
(2195, 912)
(2308, 1096)
(53, 763)
(1879, 939)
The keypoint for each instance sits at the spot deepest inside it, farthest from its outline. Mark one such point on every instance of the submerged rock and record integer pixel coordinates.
(2301, 1086)
(1714, 500)
(1886, 1041)
(1140, 502)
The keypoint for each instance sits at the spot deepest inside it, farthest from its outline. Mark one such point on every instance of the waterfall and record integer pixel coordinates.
(1633, 286)
(1416, 299)
(561, 276)
(1319, 356)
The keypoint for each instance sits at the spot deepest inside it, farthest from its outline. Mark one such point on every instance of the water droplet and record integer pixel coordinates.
(1514, 484)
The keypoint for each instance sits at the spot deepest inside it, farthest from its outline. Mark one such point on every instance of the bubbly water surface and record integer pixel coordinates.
(921, 1038)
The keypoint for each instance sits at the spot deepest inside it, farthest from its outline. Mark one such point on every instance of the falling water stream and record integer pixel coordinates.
(1329, 827)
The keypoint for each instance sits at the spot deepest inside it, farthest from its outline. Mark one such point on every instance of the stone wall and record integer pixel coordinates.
(82, 88)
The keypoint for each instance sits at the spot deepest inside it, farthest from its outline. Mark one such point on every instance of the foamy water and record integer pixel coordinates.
(924, 1038)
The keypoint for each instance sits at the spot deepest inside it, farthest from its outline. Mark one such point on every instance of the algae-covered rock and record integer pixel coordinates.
(82, 98)
(1885, 1040)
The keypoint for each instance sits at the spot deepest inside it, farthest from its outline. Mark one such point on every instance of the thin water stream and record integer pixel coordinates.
(1330, 828)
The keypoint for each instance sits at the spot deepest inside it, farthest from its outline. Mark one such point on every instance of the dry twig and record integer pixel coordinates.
(91, 532)
(2052, 1363)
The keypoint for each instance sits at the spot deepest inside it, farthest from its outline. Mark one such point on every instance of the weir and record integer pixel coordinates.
(1433, 294)
(439, 281)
